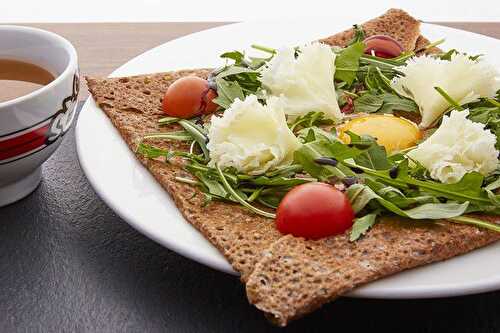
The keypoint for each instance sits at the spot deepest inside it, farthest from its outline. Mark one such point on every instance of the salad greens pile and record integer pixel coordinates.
(379, 184)
(376, 183)
(227, 185)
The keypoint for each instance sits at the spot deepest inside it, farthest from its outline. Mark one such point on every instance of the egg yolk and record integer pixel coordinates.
(392, 132)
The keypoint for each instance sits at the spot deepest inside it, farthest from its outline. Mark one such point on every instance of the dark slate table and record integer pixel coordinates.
(69, 264)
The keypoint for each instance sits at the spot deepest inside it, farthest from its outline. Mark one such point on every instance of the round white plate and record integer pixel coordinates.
(127, 187)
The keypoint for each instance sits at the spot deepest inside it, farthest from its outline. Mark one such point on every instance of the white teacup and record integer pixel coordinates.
(32, 126)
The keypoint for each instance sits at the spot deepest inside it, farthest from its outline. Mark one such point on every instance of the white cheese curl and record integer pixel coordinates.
(463, 79)
(251, 137)
(457, 147)
(306, 82)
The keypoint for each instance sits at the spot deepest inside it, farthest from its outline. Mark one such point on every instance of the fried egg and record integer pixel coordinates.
(394, 133)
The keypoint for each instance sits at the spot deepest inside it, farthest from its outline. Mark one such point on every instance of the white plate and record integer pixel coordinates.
(133, 194)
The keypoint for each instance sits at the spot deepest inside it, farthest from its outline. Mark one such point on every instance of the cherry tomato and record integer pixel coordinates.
(314, 210)
(383, 46)
(188, 97)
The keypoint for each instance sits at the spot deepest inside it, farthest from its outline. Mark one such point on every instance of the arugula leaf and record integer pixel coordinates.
(361, 226)
(194, 167)
(447, 55)
(331, 147)
(198, 134)
(374, 157)
(437, 210)
(347, 62)
(308, 153)
(213, 186)
(393, 102)
(235, 70)
(314, 133)
(240, 60)
(313, 118)
(359, 34)
(280, 181)
(270, 201)
(241, 200)
(368, 103)
(490, 116)
(168, 120)
(285, 171)
(150, 151)
(367, 60)
(493, 185)
(467, 189)
(384, 103)
(360, 195)
(237, 80)
(399, 198)
(394, 190)
(227, 92)
(237, 56)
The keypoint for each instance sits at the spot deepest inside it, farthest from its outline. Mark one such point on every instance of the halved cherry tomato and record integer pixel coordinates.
(188, 97)
(314, 210)
(383, 46)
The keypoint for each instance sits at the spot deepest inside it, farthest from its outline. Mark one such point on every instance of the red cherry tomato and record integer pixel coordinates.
(383, 46)
(188, 97)
(314, 210)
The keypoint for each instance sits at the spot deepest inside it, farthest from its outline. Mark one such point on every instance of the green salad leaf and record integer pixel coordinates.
(467, 189)
(361, 226)
(361, 195)
(347, 62)
(237, 56)
(227, 92)
(374, 157)
(368, 103)
(487, 111)
(376, 184)
(389, 185)
(313, 118)
(359, 34)
(237, 80)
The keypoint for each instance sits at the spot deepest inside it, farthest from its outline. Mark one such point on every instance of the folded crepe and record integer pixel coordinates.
(286, 277)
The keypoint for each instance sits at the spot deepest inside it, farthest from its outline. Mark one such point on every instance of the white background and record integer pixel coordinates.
(12, 11)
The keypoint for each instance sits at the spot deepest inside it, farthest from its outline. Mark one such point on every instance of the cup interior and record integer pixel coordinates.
(34, 46)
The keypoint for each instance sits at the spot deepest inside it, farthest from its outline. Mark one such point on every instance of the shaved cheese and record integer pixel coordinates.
(457, 147)
(465, 80)
(306, 81)
(252, 137)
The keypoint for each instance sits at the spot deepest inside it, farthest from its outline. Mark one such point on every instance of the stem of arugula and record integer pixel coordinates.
(449, 99)
(255, 194)
(493, 102)
(235, 195)
(434, 44)
(187, 181)
(475, 222)
(197, 135)
(415, 182)
(179, 136)
(264, 48)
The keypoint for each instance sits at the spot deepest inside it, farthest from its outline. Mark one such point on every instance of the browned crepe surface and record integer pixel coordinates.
(395, 23)
(286, 277)
(134, 106)
(296, 276)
